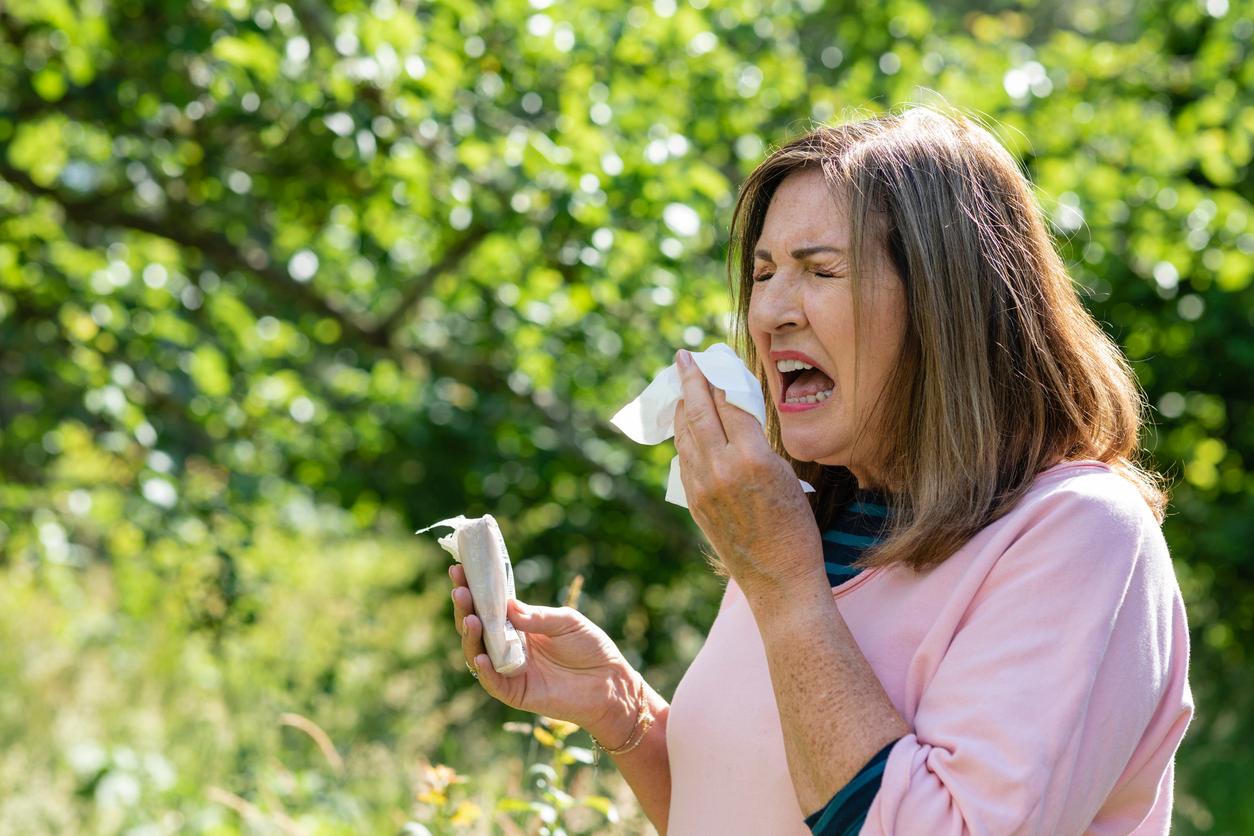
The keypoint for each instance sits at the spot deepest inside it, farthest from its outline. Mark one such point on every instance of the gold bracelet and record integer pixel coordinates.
(644, 719)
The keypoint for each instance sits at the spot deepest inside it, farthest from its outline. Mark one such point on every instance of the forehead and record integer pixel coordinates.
(804, 212)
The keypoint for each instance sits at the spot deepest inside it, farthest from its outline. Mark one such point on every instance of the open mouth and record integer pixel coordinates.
(803, 383)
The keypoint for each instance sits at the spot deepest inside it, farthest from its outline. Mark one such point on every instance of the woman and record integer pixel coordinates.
(973, 625)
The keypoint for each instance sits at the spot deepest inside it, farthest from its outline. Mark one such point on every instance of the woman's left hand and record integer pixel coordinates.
(743, 495)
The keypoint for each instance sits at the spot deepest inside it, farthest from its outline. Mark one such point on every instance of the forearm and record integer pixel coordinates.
(834, 711)
(646, 768)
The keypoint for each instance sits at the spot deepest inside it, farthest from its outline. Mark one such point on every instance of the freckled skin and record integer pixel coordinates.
(797, 309)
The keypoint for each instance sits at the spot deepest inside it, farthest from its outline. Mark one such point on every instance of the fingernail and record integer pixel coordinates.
(465, 626)
(683, 357)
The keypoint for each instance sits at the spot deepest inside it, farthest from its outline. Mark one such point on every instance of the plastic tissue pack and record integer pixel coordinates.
(477, 544)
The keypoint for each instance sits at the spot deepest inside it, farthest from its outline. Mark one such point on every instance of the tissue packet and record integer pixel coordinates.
(477, 544)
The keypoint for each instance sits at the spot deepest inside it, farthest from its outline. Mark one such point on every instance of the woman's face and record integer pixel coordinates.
(801, 308)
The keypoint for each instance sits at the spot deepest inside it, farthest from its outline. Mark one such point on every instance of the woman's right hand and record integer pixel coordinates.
(574, 671)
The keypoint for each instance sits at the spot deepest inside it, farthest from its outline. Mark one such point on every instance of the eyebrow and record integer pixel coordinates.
(802, 252)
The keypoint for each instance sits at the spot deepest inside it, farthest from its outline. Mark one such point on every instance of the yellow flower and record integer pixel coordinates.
(432, 797)
(467, 813)
(435, 780)
(560, 728)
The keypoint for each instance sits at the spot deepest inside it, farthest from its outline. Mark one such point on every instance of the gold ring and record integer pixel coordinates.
(473, 670)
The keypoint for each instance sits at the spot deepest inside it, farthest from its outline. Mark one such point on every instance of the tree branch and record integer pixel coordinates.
(452, 256)
(214, 245)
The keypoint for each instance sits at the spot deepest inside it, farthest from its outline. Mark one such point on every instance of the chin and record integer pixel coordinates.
(809, 450)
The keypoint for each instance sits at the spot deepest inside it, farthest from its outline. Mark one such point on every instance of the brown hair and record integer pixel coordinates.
(1002, 373)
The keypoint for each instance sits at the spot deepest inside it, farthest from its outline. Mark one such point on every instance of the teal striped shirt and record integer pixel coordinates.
(861, 524)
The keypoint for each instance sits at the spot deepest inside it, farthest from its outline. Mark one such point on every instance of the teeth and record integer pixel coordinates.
(818, 397)
(791, 365)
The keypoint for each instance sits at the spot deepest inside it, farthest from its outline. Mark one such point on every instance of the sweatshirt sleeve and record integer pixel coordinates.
(1066, 673)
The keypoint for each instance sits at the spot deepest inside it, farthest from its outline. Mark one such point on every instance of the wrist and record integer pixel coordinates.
(786, 593)
(777, 571)
(618, 721)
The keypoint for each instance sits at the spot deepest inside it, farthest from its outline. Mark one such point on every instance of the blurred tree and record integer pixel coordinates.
(280, 282)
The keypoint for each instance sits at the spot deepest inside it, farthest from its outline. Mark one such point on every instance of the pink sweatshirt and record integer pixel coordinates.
(1043, 670)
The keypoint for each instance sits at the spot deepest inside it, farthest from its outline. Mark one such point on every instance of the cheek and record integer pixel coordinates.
(760, 339)
(751, 321)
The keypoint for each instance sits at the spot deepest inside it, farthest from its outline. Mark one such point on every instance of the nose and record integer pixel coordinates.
(775, 305)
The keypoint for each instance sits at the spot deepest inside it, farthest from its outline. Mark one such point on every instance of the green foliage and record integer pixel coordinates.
(554, 807)
(281, 282)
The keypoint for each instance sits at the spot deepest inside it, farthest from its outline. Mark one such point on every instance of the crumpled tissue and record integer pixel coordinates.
(650, 418)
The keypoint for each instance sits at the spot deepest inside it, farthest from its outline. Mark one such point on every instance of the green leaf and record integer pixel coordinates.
(572, 754)
(251, 52)
(513, 805)
(602, 805)
(49, 83)
(209, 371)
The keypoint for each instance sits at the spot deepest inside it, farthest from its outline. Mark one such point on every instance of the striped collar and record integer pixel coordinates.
(859, 525)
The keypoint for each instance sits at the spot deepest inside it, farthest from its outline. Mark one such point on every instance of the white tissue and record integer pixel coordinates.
(650, 418)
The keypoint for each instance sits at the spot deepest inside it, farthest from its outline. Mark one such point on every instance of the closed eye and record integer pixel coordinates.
(764, 276)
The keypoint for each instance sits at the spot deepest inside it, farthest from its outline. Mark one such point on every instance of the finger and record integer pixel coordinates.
(742, 429)
(491, 681)
(463, 605)
(472, 641)
(683, 435)
(547, 621)
(458, 573)
(700, 414)
(686, 449)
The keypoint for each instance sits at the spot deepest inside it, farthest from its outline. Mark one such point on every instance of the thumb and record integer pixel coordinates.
(547, 621)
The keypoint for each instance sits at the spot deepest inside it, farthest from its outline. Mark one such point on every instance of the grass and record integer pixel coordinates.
(324, 695)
